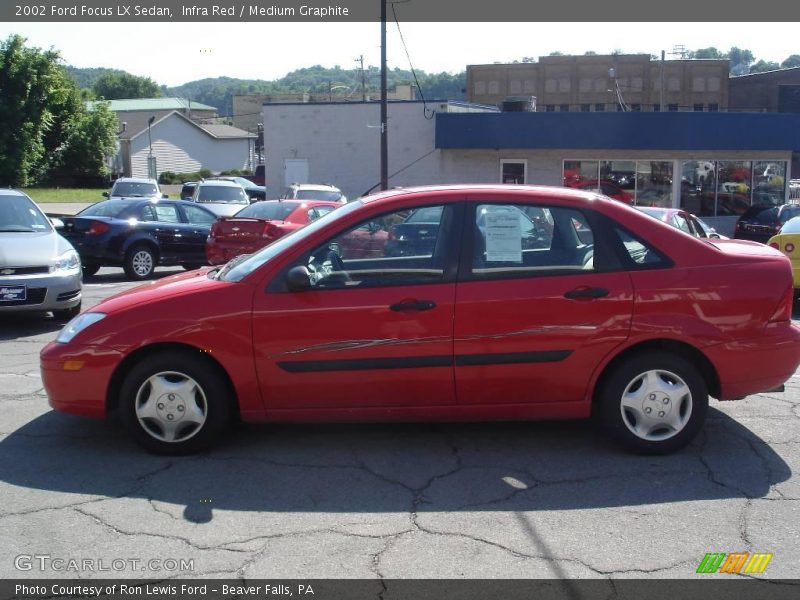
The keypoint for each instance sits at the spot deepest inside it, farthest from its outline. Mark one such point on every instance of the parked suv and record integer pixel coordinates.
(135, 187)
(761, 222)
(314, 191)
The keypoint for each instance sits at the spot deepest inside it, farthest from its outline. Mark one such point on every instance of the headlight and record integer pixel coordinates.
(69, 261)
(77, 325)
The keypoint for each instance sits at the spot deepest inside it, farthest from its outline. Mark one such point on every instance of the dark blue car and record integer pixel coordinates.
(139, 234)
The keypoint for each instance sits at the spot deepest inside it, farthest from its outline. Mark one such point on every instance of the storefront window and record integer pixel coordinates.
(733, 187)
(580, 173)
(769, 181)
(698, 187)
(654, 183)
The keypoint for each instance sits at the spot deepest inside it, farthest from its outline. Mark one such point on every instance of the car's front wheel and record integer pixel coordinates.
(140, 262)
(175, 403)
(654, 403)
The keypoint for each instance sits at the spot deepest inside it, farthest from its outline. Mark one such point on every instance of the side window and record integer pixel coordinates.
(682, 224)
(522, 240)
(198, 215)
(638, 253)
(147, 213)
(166, 213)
(316, 212)
(392, 249)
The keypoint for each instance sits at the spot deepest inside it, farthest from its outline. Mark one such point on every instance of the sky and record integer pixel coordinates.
(175, 53)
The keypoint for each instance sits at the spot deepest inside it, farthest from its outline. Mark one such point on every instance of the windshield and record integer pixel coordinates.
(254, 261)
(19, 213)
(134, 189)
(221, 193)
(318, 195)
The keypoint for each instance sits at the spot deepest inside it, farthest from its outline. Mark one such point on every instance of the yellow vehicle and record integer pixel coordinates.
(787, 240)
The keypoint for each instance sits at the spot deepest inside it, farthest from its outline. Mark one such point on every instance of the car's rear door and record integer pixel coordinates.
(372, 333)
(534, 317)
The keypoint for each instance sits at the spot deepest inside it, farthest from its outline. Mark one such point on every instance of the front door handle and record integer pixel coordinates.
(413, 305)
(586, 293)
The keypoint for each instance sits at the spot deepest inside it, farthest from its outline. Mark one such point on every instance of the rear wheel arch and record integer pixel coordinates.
(129, 362)
(677, 348)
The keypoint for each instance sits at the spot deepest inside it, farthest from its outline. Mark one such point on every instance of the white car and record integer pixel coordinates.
(135, 187)
(223, 198)
(314, 191)
(39, 269)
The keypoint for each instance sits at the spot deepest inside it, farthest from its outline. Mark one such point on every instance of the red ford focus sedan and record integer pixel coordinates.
(605, 311)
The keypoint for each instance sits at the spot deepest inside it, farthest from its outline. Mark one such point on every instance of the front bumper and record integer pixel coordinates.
(46, 291)
(759, 364)
(76, 377)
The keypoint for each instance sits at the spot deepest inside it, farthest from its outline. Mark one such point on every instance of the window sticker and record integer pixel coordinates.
(503, 236)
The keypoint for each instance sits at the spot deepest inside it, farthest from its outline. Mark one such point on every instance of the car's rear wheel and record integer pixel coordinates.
(654, 403)
(175, 403)
(140, 262)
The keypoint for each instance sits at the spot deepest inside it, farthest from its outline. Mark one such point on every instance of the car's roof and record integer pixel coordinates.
(8, 192)
(218, 182)
(495, 188)
(136, 180)
(315, 186)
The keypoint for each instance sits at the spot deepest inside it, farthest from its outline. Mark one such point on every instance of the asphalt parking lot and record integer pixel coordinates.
(521, 500)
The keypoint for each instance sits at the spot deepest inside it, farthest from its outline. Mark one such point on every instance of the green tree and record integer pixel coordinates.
(90, 140)
(38, 103)
(708, 53)
(762, 65)
(792, 61)
(115, 86)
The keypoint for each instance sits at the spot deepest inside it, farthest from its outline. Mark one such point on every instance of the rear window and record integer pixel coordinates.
(269, 211)
(318, 195)
(113, 208)
(791, 226)
(221, 193)
(761, 214)
(134, 189)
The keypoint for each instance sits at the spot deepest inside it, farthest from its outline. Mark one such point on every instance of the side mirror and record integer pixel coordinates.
(298, 279)
(165, 195)
(105, 194)
(57, 223)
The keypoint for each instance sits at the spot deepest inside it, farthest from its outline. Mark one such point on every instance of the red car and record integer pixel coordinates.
(605, 187)
(640, 326)
(258, 224)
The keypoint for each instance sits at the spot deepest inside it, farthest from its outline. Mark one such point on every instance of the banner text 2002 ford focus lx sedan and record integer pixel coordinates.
(583, 306)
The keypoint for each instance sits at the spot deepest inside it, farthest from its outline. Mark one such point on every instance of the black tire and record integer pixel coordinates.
(668, 408)
(67, 314)
(206, 397)
(90, 269)
(192, 267)
(140, 262)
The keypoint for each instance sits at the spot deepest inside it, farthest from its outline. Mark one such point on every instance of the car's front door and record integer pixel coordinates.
(369, 333)
(195, 231)
(537, 308)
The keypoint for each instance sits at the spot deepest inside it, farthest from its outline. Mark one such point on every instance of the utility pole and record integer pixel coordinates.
(360, 60)
(661, 84)
(384, 104)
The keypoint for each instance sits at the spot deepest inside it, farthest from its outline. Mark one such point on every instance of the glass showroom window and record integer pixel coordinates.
(654, 183)
(698, 187)
(734, 179)
(580, 173)
(769, 182)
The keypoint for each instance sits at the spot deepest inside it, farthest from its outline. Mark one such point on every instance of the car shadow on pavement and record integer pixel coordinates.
(18, 325)
(379, 468)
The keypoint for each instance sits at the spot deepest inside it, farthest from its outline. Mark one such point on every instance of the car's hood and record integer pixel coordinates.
(172, 286)
(223, 209)
(35, 249)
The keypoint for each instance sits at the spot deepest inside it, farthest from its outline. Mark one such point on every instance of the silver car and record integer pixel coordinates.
(39, 269)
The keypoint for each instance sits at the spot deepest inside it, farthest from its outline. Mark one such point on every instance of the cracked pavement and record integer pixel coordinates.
(499, 500)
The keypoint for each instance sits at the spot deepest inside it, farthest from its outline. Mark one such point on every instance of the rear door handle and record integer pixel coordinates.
(413, 305)
(586, 293)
